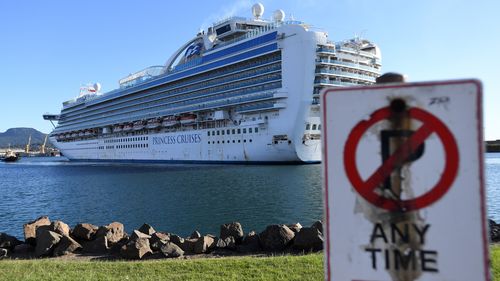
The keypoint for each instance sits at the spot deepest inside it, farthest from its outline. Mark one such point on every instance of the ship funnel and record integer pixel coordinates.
(258, 11)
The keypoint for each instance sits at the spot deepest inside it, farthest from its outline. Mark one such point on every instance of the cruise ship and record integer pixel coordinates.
(245, 90)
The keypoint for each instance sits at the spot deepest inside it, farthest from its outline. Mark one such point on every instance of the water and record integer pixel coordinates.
(173, 198)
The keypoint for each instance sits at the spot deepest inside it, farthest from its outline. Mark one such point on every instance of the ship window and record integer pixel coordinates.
(222, 141)
(314, 126)
(218, 132)
(239, 131)
(250, 140)
(244, 140)
(308, 126)
(239, 141)
(234, 141)
(208, 133)
(228, 132)
(234, 131)
(222, 132)
(218, 141)
(256, 130)
(319, 127)
(244, 131)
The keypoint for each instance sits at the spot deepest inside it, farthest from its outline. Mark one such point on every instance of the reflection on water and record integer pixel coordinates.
(174, 198)
(492, 175)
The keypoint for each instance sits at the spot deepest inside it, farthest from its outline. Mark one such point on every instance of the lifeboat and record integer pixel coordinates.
(188, 119)
(127, 127)
(138, 125)
(74, 135)
(153, 123)
(170, 121)
(117, 128)
(88, 133)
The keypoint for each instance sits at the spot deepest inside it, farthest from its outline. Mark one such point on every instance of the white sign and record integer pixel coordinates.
(404, 185)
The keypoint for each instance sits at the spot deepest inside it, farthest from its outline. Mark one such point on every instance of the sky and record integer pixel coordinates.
(49, 49)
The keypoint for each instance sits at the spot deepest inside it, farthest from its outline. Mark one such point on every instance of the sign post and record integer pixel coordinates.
(404, 188)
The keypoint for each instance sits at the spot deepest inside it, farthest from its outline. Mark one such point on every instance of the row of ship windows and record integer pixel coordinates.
(127, 140)
(200, 103)
(228, 141)
(233, 131)
(313, 127)
(134, 145)
(173, 94)
(211, 74)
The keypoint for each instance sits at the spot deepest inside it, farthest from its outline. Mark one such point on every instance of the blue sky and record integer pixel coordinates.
(48, 49)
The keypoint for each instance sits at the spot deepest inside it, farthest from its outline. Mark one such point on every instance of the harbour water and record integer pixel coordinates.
(173, 198)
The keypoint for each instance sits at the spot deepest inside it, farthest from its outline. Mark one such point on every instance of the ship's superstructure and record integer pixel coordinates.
(245, 90)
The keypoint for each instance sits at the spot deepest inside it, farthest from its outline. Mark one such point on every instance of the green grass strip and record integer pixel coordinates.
(308, 267)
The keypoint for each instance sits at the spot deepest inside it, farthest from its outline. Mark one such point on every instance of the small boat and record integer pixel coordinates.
(10, 156)
(117, 129)
(170, 121)
(188, 119)
(138, 125)
(153, 123)
(128, 127)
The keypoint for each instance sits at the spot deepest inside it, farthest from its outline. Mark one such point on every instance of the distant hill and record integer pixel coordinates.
(18, 138)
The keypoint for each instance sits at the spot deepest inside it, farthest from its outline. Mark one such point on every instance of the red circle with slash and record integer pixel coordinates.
(366, 188)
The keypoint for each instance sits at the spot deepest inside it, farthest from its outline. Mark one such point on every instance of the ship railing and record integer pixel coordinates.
(195, 96)
(178, 89)
(107, 119)
(257, 63)
(354, 50)
(348, 74)
(258, 31)
(355, 65)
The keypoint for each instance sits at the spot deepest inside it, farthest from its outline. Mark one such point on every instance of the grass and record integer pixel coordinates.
(308, 267)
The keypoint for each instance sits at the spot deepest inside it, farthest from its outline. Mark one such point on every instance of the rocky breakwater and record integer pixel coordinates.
(45, 238)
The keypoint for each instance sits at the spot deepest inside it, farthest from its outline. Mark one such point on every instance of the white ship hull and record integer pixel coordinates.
(250, 100)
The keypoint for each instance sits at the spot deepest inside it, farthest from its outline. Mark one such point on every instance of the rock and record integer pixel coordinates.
(115, 248)
(170, 250)
(84, 231)
(3, 253)
(23, 249)
(308, 238)
(46, 241)
(97, 246)
(188, 245)
(114, 232)
(204, 245)
(276, 237)
(157, 240)
(318, 225)
(66, 246)
(30, 229)
(494, 231)
(147, 229)
(176, 239)
(136, 234)
(8, 242)
(195, 235)
(294, 227)
(60, 228)
(229, 243)
(136, 249)
(233, 229)
(250, 243)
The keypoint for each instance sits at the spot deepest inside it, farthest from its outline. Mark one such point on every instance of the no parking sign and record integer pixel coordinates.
(404, 184)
